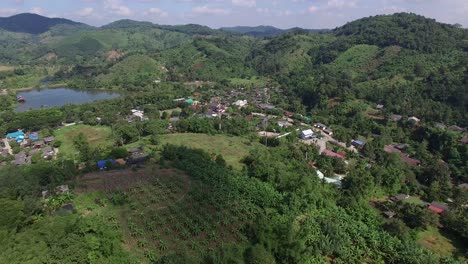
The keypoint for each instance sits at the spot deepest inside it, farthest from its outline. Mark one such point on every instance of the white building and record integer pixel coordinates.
(138, 113)
(240, 103)
(307, 134)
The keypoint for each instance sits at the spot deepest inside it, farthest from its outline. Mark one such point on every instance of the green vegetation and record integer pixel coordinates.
(206, 188)
(233, 149)
(433, 240)
(98, 137)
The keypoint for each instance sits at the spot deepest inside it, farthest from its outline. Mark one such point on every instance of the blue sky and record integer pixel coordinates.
(217, 13)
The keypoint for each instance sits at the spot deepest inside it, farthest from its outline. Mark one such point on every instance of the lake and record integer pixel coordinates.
(53, 97)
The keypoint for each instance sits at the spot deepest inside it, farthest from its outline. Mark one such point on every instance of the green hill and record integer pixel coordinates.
(32, 23)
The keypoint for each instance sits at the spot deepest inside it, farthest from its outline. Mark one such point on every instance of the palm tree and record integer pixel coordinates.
(163, 245)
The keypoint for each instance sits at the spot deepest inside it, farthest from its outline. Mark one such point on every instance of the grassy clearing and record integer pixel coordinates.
(98, 136)
(233, 149)
(433, 240)
(414, 200)
(24, 81)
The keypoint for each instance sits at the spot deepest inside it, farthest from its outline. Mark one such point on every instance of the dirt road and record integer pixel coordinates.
(7, 146)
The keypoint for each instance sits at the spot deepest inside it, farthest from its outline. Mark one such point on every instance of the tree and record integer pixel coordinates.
(415, 216)
(257, 254)
(82, 145)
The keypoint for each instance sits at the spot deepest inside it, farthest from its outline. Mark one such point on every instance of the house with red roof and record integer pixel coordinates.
(438, 208)
(333, 154)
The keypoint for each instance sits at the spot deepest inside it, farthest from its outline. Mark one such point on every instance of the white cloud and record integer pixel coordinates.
(8, 11)
(341, 3)
(391, 9)
(116, 7)
(313, 9)
(37, 10)
(85, 12)
(244, 3)
(157, 12)
(210, 11)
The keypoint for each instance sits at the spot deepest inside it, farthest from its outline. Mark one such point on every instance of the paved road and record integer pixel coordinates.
(7, 146)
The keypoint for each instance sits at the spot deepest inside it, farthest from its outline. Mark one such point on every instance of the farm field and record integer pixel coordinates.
(159, 211)
(97, 136)
(433, 240)
(233, 149)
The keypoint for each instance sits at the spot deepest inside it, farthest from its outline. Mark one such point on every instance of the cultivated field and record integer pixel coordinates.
(164, 211)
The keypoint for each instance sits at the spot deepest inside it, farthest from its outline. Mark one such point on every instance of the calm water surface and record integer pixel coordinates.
(52, 97)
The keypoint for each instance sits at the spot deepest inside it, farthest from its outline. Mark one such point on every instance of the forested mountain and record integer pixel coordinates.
(32, 23)
(268, 31)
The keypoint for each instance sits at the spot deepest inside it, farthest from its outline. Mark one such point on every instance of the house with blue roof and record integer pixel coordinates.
(18, 136)
(102, 164)
(34, 136)
(358, 143)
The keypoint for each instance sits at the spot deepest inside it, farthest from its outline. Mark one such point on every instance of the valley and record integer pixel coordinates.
(147, 143)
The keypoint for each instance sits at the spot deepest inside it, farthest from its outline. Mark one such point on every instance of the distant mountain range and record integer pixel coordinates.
(36, 24)
(32, 23)
(267, 31)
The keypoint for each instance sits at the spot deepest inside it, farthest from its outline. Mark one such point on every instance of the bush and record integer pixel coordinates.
(119, 198)
(57, 144)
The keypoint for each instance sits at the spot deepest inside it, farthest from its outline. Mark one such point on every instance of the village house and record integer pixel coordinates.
(307, 134)
(399, 197)
(240, 103)
(284, 123)
(395, 118)
(138, 158)
(287, 114)
(320, 126)
(328, 131)
(17, 136)
(379, 107)
(414, 120)
(135, 150)
(48, 140)
(103, 164)
(437, 207)
(333, 154)
(358, 143)
(266, 106)
(138, 114)
(404, 157)
(389, 214)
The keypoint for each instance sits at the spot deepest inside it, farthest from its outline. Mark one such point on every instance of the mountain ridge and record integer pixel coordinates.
(32, 23)
(267, 31)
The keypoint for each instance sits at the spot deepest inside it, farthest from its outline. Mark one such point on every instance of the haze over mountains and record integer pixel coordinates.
(37, 24)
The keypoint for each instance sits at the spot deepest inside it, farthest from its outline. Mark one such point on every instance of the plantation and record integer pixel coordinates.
(161, 211)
